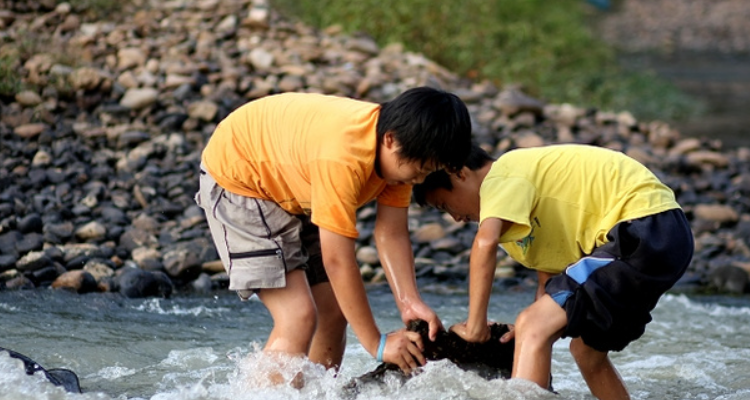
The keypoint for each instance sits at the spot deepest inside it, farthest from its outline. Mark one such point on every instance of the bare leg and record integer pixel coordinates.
(597, 369)
(537, 328)
(329, 341)
(294, 317)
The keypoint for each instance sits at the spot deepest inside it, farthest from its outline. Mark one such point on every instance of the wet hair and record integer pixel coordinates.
(441, 179)
(429, 125)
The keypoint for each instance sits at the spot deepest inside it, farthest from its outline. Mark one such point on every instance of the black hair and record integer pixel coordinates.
(441, 179)
(430, 125)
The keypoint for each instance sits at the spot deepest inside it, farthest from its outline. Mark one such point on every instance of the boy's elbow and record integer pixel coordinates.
(484, 243)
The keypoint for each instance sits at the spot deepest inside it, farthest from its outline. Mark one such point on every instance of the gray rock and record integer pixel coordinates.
(33, 261)
(137, 283)
(729, 278)
(182, 264)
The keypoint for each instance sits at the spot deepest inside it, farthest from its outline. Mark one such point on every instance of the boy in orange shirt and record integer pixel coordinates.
(281, 180)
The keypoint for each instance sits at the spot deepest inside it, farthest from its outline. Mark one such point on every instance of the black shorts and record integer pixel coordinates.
(608, 296)
(310, 235)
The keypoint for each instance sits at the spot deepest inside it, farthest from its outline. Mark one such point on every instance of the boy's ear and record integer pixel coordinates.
(389, 140)
(461, 173)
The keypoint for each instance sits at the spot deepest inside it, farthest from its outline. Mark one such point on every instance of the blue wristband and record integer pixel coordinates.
(381, 347)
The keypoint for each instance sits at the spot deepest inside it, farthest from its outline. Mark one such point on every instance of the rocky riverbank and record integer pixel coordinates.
(100, 151)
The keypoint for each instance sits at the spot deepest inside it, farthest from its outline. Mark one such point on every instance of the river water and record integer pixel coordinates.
(204, 347)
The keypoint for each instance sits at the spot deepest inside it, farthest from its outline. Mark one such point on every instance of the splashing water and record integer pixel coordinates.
(208, 347)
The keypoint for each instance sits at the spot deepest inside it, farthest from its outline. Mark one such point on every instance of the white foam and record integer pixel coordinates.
(155, 306)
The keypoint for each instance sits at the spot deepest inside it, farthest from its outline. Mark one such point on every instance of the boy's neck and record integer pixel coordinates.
(482, 172)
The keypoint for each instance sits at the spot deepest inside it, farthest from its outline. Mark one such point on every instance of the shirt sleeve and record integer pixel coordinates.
(511, 199)
(395, 196)
(334, 192)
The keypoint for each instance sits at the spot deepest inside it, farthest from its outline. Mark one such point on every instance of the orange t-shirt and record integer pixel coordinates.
(310, 153)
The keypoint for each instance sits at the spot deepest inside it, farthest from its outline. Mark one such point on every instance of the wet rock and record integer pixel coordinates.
(46, 275)
(489, 360)
(137, 283)
(19, 283)
(728, 278)
(78, 281)
(202, 284)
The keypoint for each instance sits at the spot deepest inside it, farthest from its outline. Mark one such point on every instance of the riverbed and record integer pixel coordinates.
(201, 347)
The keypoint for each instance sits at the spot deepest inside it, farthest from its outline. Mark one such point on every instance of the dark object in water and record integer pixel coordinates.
(58, 376)
(489, 360)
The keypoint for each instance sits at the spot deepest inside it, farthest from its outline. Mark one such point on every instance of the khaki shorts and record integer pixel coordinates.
(258, 241)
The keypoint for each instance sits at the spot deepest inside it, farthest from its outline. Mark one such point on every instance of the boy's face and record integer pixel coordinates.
(396, 170)
(461, 202)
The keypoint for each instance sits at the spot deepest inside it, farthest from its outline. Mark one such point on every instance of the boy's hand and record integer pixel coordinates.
(420, 310)
(404, 348)
(510, 335)
(478, 335)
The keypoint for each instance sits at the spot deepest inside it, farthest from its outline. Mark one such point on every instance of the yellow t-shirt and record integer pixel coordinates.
(563, 199)
(310, 153)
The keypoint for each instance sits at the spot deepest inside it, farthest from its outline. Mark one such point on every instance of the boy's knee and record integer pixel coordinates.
(301, 317)
(544, 320)
(527, 324)
(308, 314)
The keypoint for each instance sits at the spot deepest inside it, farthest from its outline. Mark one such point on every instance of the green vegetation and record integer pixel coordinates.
(546, 46)
(10, 82)
(98, 9)
(14, 53)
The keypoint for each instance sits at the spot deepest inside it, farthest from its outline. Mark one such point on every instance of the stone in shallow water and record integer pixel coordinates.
(137, 283)
(78, 281)
(489, 360)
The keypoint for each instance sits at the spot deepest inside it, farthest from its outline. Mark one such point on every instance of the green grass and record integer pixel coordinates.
(10, 81)
(99, 9)
(545, 46)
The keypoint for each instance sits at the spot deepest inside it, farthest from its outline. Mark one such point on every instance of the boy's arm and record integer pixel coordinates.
(394, 248)
(481, 275)
(403, 348)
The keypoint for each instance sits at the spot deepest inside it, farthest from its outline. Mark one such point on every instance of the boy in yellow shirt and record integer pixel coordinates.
(281, 180)
(605, 236)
